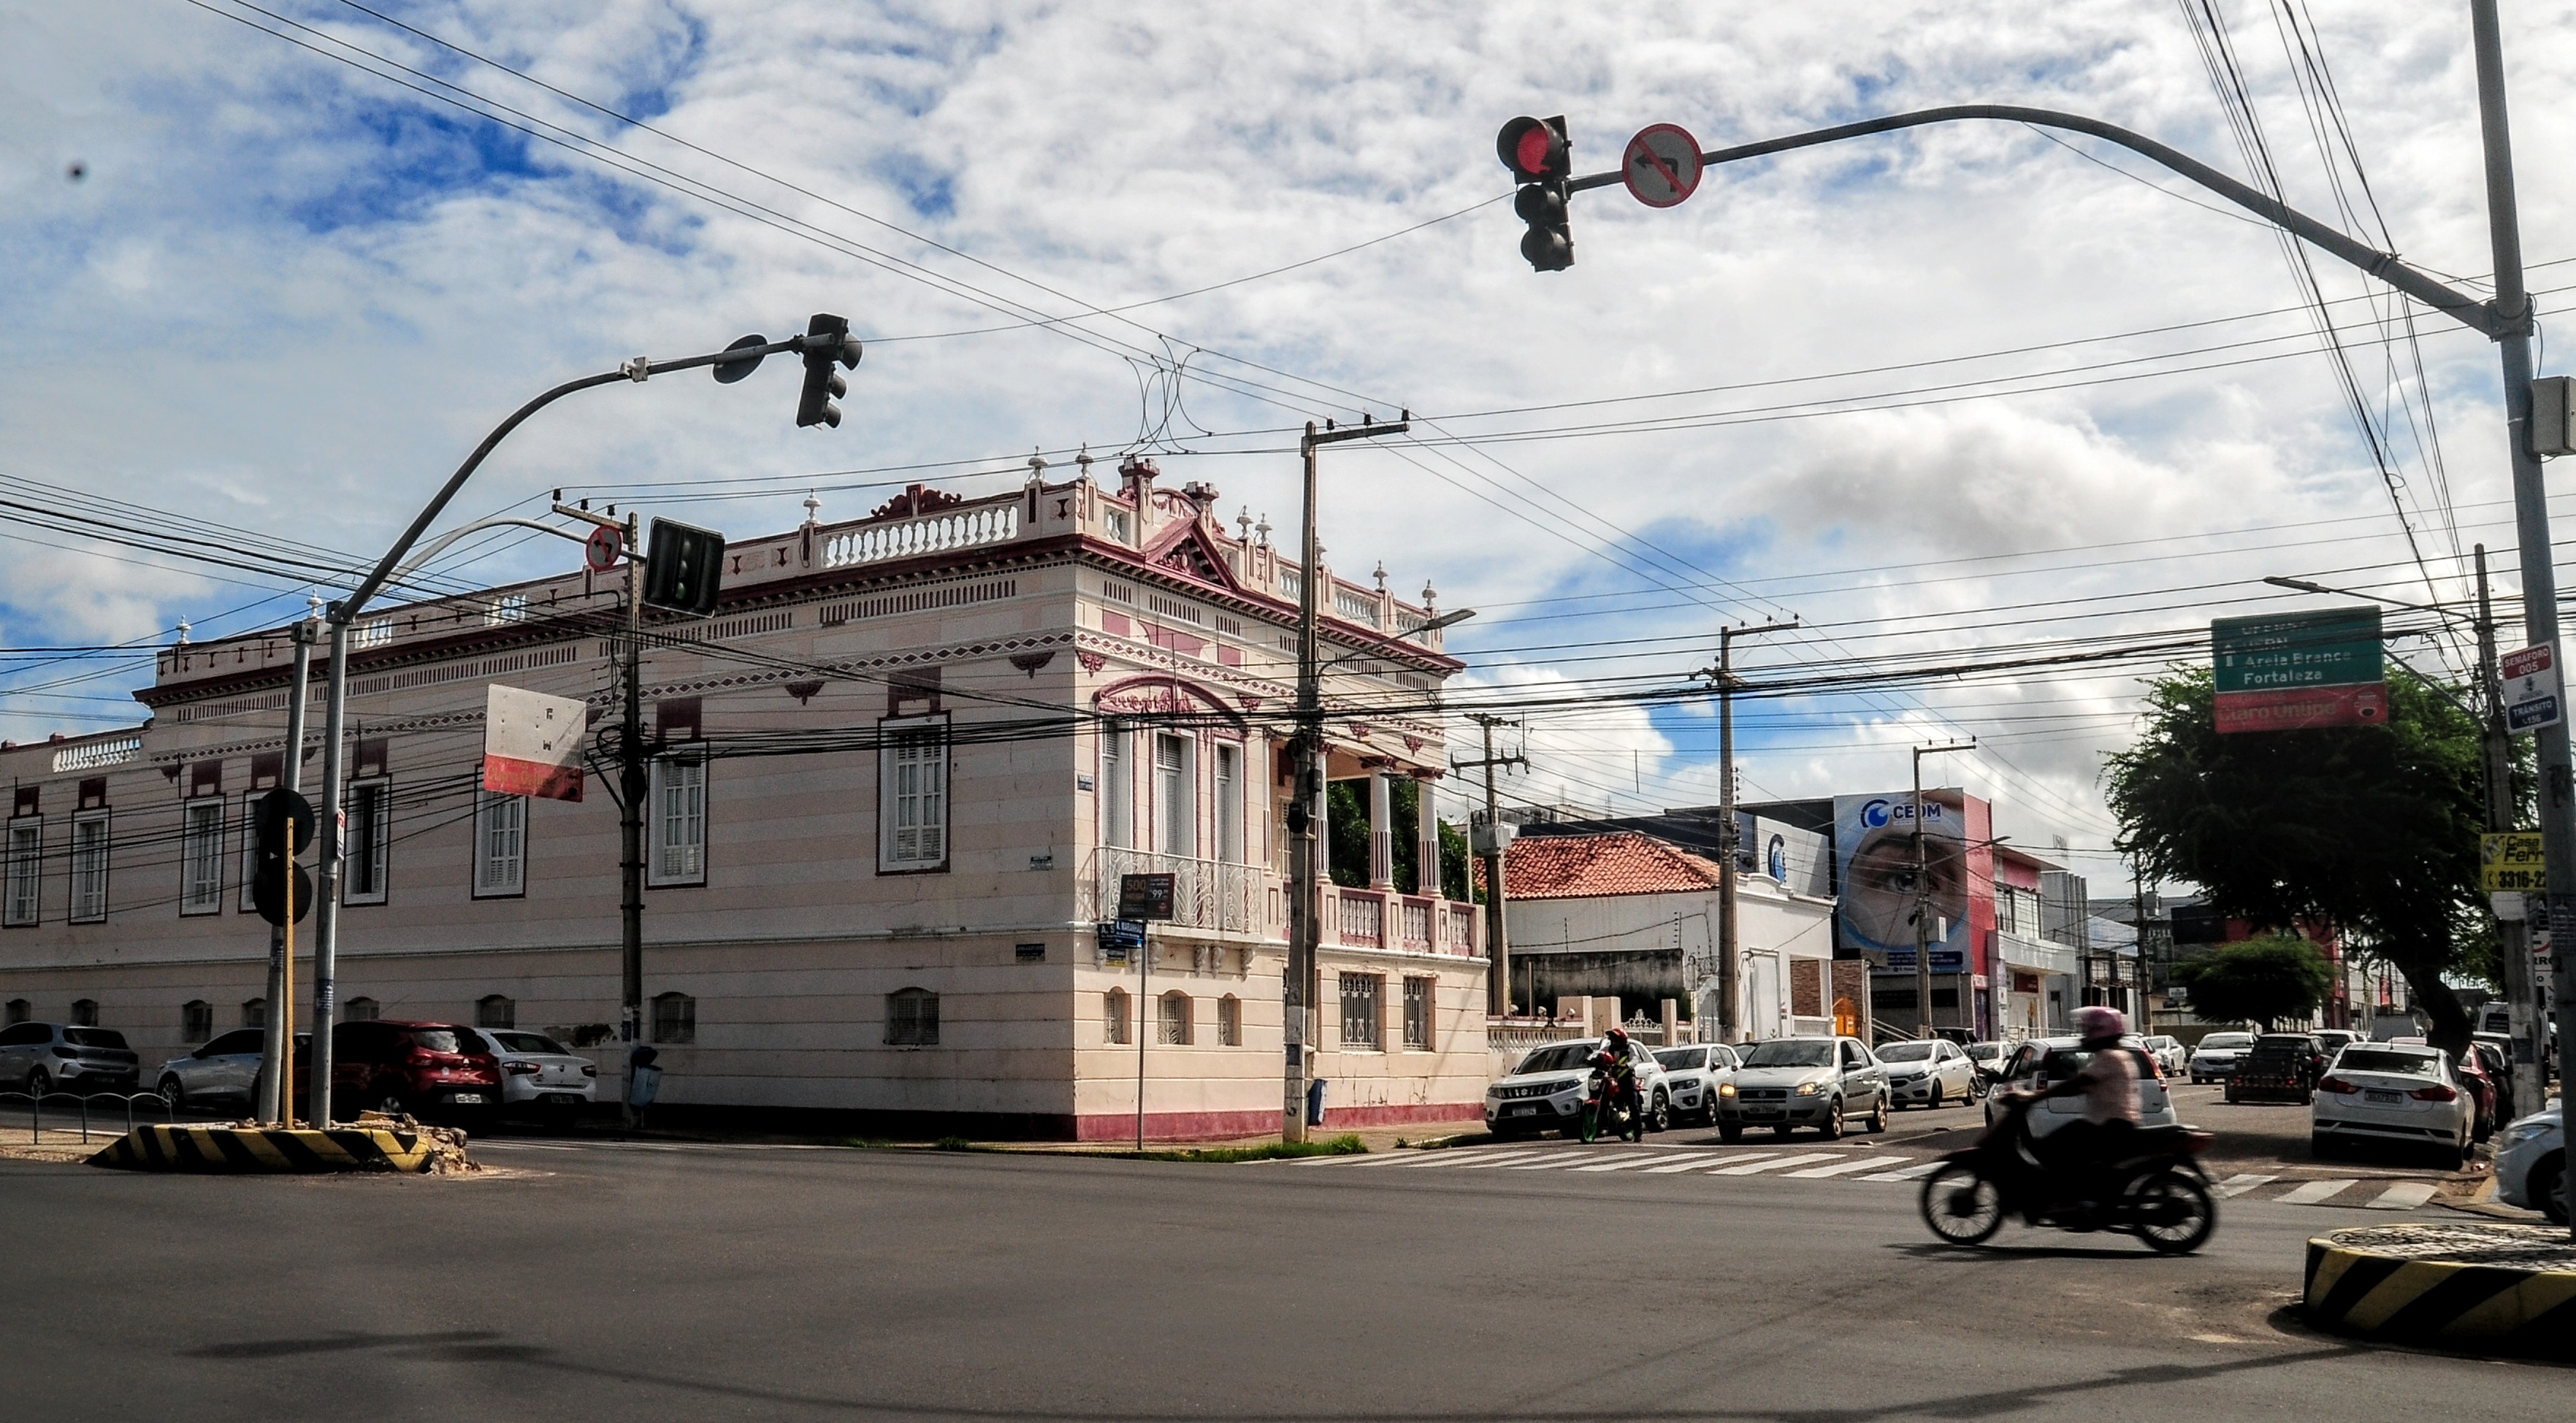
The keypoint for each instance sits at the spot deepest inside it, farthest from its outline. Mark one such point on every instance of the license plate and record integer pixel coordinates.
(465, 1097)
(2382, 1098)
(1524, 1111)
(1764, 1116)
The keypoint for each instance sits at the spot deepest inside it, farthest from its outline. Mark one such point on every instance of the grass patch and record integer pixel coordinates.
(1267, 1151)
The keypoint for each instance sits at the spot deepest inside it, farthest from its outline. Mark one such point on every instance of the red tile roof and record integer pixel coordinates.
(1622, 862)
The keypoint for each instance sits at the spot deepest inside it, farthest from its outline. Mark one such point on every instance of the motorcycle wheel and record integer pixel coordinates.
(1961, 1205)
(2172, 1213)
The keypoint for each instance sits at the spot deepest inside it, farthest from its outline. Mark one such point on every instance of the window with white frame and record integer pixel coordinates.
(1362, 1011)
(680, 819)
(1172, 1019)
(201, 856)
(26, 863)
(1176, 819)
(366, 860)
(912, 795)
(1117, 788)
(1229, 802)
(500, 845)
(89, 867)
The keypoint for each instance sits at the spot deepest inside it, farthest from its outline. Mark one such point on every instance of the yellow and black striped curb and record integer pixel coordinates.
(2475, 1288)
(269, 1150)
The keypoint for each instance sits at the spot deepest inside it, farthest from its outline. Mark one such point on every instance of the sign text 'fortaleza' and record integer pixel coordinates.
(532, 743)
(2530, 678)
(2510, 859)
(2297, 671)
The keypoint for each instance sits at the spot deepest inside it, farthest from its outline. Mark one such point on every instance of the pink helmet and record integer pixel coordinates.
(2098, 1022)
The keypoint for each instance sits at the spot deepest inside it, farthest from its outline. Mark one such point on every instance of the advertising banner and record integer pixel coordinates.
(2510, 860)
(1874, 858)
(2299, 671)
(532, 743)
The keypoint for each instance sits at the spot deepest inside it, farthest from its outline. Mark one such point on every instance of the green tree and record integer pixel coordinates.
(1347, 828)
(2262, 980)
(2373, 830)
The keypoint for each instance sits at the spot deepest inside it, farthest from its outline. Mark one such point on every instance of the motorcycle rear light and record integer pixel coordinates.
(2435, 1093)
(2332, 1083)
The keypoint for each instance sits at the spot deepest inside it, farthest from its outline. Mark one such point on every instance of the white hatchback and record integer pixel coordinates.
(1694, 1073)
(538, 1073)
(1928, 1073)
(2385, 1092)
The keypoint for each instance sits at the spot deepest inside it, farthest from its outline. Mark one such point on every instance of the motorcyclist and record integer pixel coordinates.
(2108, 1083)
(1618, 1057)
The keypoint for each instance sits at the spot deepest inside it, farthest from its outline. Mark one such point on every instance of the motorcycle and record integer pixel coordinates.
(2156, 1189)
(1602, 1105)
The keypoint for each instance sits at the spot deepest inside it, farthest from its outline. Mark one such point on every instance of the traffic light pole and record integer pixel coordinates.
(272, 1065)
(633, 788)
(1498, 941)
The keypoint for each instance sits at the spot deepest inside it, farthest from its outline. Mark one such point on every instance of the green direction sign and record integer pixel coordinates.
(2335, 648)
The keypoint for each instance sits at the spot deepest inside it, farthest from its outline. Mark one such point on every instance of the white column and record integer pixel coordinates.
(1381, 800)
(1426, 840)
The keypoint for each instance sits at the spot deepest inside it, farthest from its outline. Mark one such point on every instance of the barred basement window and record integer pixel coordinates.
(1172, 1025)
(1361, 1011)
(19, 1011)
(1418, 998)
(495, 1011)
(675, 1018)
(201, 856)
(912, 1018)
(84, 1013)
(359, 1010)
(1229, 1021)
(196, 1020)
(1113, 1006)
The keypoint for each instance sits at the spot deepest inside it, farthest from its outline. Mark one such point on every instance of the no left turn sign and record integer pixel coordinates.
(1661, 165)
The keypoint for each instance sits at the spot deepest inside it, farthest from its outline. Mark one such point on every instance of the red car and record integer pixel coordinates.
(2482, 1089)
(426, 1069)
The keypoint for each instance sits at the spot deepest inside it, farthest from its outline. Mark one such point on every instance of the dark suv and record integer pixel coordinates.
(425, 1069)
(50, 1057)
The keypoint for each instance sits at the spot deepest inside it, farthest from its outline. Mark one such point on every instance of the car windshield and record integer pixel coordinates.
(1905, 1052)
(1561, 1057)
(1790, 1052)
(2283, 1042)
(94, 1037)
(529, 1042)
(2366, 1059)
(2228, 1040)
(1681, 1059)
(440, 1040)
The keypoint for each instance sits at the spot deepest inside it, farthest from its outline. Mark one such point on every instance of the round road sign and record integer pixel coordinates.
(600, 549)
(1661, 165)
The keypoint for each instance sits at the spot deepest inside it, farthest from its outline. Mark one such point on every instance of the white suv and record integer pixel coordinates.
(1545, 1090)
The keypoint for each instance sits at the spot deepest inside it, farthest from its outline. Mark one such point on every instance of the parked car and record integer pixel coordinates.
(1929, 1074)
(2279, 1067)
(2389, 1092)
(1988, 1059)
(1694, 1073)
(540, 1074)
(2336, 1040)
(224, 1072)
(1544, 1091)
(2531, 1164)
(2215, 1059)
(1787, 1083)
(2042, 1063)
(37, 1058)
(424, 1069)
(2172, 1058)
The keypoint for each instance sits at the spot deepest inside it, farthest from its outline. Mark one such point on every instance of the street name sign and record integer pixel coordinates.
(2530, 678)
(2298, 671)
(2510, 860)
(1661, 166)
(1118, 938)
(532, 743)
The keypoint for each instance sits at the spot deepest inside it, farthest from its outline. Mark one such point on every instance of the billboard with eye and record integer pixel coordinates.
(1875, 865)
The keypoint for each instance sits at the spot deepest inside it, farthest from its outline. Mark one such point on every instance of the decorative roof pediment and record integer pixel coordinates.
(1188, 550)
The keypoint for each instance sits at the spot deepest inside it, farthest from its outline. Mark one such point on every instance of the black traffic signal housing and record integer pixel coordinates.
(827, 343)
(281, 828)
(683, 567)
(1541, 161)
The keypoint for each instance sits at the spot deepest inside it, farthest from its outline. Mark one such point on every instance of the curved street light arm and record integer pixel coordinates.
(446, 540)
(2468, 310)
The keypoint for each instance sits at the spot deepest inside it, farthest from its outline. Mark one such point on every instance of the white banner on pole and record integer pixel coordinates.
(532, 744)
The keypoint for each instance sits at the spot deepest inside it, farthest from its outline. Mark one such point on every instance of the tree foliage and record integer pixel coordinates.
(2373, 830)
(2262, 980)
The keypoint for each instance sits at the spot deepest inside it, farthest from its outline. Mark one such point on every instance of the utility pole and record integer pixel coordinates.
(1498, 946)
(2146, 976)
(2496, 741)
(1923, 893)
(1306, 809)
(273, 1093)
(633, 788)
(1730, 848)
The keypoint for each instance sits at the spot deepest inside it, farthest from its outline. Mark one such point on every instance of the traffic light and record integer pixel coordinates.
(1541, 161)
(281, 827)
(827, 342)
(684, 564)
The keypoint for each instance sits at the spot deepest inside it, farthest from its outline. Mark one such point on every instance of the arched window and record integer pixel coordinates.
(1229, 1021)
(254, 1013)
(494, 1011)
(1172, 1020)
(912, 1018)
(1114, 1014)
(84, 1013)
(196, 1020)
(675, 1018)
(19, 1010)
(360, 1010)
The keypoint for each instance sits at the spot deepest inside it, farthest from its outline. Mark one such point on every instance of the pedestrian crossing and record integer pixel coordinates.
(1841, 1164)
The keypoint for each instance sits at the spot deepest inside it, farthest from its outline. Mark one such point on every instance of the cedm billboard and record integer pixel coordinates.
(1874, 864)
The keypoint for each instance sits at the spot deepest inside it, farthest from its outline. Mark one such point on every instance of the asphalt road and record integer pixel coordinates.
(635, 1281)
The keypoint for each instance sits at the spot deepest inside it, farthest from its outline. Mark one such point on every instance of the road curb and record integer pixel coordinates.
(2466, 1288)
(227, 1150)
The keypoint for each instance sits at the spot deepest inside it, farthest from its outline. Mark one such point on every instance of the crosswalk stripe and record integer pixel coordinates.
(1467, 1158)
(1692, 1162)
(1569, 1153)
(1841, 1168)
(1751, 1167)
(1908, 1174)
(1561, 1158)
(2239, 1185)
(2404, 1196)
(1622, 1164)
(2315, 1192)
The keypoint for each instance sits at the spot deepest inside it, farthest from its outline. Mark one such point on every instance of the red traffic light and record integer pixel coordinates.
(1534, 149)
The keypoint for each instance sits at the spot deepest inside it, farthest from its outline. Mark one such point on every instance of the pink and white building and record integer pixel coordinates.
(897, 777)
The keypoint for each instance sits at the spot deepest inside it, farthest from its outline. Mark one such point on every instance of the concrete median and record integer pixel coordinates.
(259, 1150)
(2484, 1288)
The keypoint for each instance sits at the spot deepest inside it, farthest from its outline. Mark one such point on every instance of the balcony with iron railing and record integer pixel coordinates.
(1219, 897)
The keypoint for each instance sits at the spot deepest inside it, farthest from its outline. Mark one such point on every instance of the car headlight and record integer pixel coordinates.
(2521, 1132)
(1809, 1089)
(1726, 1089)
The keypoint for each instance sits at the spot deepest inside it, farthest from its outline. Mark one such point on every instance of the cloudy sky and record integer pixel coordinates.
(1967, 394)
